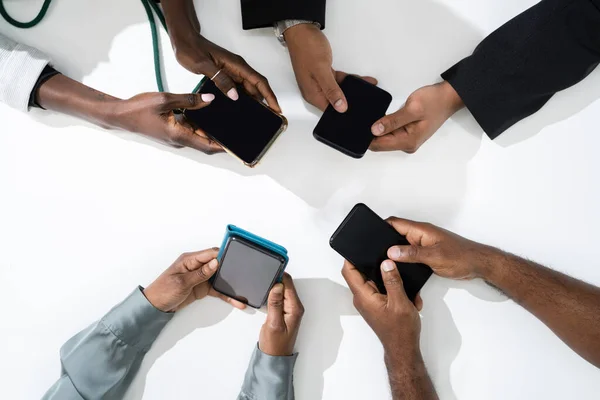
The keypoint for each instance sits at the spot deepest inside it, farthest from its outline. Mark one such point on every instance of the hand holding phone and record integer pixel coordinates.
(245, 128)
(363, 238)
(350, 132)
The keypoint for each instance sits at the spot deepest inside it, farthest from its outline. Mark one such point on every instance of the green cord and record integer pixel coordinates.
(149, 6)
(25, 25)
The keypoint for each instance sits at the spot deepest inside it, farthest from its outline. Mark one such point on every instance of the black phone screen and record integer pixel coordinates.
(350, 132)
(364, 238)
(247, 272)
(244, 127)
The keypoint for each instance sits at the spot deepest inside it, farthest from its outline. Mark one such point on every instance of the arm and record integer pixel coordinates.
(26, 80)
(511, 75)
(520, 66)
(569, 307)
(396, 322)
(101, 361)
(270, 373)
(265, 13)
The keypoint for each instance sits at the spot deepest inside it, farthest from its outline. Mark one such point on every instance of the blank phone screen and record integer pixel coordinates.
(364, 239)
(245, 127)
(247, 272)
(350, 132)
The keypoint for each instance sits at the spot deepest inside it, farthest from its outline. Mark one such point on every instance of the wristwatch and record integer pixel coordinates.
(282, 26)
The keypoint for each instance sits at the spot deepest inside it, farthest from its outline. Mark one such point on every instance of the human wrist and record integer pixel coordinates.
(296, 32)
(451, 98)
(487, 262)
(403, 357)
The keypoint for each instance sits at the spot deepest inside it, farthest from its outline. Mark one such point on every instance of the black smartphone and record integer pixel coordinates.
(350, 132)
(245, 128)
(247, 272)
(364, 238)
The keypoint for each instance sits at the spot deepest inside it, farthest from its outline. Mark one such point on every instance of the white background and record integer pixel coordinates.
(86, 215)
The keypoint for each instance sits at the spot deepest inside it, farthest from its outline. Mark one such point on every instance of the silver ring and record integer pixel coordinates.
(218, 72)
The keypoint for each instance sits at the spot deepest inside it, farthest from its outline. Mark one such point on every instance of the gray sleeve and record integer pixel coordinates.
(269, 377)
(101, 361)
(20, 68)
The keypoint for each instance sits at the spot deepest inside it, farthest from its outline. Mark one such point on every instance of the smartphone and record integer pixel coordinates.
(350, 132)
(245, 128)
(363, 238)
(247, 271)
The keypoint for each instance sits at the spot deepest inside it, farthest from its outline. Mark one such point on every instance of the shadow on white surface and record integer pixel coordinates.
(560, 107)
(440, 339)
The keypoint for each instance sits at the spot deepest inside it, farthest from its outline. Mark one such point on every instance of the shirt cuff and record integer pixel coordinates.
(46, 74)
(269, 377)
(135, 321)
(20, 75)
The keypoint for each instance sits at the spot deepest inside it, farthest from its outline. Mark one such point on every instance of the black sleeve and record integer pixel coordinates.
(519, 67)
(47, 73)
(264, 13)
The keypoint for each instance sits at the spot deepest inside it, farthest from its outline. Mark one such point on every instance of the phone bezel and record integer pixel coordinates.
(255, 247)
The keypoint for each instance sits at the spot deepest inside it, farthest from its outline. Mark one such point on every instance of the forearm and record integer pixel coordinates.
(408, 376)
(568, 306)
(182, 21)
(68, 96)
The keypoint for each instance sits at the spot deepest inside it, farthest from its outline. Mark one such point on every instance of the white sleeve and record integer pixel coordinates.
(20, 68)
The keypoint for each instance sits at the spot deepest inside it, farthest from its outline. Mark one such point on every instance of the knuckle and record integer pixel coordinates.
(415, 107)
(393, 281)
(176, 136)
(201, 274)
(298, 310)
(178, 280)
(277, 303)
(163, 98)
(411, 148)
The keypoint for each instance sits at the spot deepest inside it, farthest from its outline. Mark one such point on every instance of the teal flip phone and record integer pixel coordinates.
(249, 266)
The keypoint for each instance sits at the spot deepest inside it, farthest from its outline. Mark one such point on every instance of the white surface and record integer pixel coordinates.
(86, 215)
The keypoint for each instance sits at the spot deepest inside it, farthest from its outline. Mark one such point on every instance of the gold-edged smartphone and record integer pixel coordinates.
(245, 128)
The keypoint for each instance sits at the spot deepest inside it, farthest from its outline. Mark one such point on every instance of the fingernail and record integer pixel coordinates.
(378, 129)
(388, 265)
(233, 94)
(213, 264)
(395, 252)
(278, 288)
(208, 97)
(340, 105)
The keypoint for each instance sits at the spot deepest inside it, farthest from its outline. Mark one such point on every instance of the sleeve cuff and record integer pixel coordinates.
(269, 377)
(265, 13)
(20, 75)
(135, 321)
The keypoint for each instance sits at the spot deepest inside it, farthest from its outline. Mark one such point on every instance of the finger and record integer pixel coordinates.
(331, 90)
(202, 274)
(340, 76)
(275, 307)
(253, 91)
(193, 261)
(235, 303)
(222, 81)
(403, 226)
(419, 302)
(192, 101)
(412, 254)
(393, 122)
(397, 140)
(393, 282)
(292, 304)
(198, 141)
(356, 281)
(267, 93)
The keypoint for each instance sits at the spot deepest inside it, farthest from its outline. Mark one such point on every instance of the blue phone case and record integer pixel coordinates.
(233, 230)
